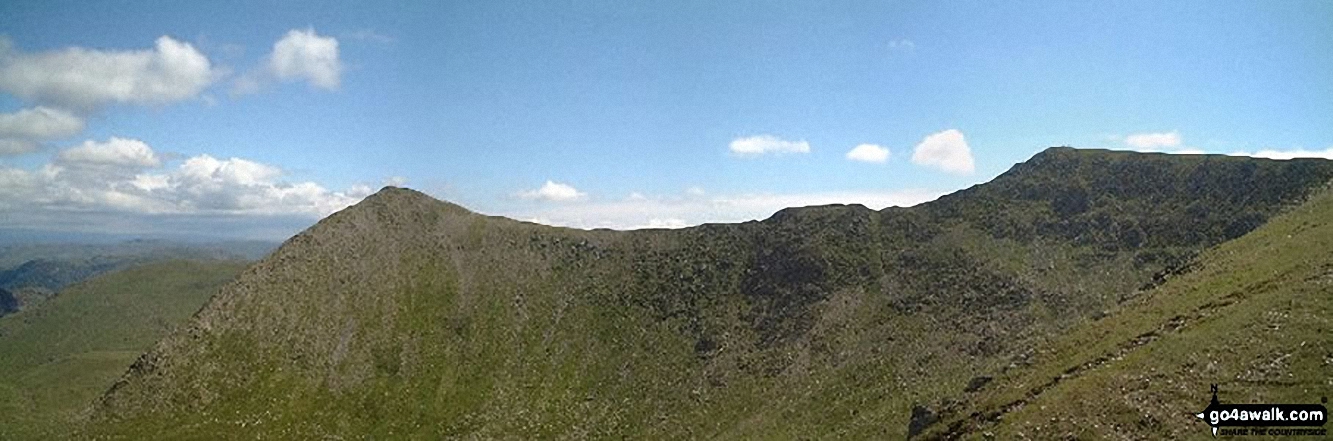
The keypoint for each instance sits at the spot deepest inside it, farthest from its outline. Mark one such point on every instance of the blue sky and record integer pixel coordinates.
(255, 119)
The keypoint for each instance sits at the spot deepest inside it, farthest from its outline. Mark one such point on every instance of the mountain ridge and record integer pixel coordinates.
(484, 326)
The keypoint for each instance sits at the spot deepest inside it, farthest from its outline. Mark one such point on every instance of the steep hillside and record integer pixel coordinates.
(56, 359)
(1253, 316)
(406, 316)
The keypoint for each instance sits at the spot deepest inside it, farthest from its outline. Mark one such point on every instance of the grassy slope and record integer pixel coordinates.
(1253, 318)
(404, 316)
(58, 358)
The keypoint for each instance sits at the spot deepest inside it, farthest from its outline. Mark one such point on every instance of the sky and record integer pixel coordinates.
(252, 120)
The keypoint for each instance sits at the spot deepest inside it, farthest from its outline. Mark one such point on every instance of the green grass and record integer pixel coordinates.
(58, 358)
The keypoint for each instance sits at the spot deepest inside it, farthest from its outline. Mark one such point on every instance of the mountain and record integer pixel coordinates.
(404, 316)
(55, 360)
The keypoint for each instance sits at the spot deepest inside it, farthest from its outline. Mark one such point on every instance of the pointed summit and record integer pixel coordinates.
(391, 207)
(381, 224)
(392, 197)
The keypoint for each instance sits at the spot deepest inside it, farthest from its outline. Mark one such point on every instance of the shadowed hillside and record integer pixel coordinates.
(8, 302)
(406, 316)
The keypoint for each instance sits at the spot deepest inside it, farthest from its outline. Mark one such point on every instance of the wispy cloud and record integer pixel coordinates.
(1173, 143)
(1288, 154)
(1154, 141)
(869, 153)
(764, 144)
(1159, 142)
(902, 45)
(673, 211)
(115, 152)
(554, 191)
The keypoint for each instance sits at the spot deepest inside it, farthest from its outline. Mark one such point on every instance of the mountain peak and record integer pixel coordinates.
(392, 192)
(391, 212)
(391, 198)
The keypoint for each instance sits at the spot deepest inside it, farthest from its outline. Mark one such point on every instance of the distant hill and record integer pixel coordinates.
(34, 272)
(56, 274)
(56, 359)
(13, 254)
(406, 316)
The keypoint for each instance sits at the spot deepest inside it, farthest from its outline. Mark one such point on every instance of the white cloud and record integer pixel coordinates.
(304, 55)
(868, 153)
(360, 191)
(771, 203)
(686, 210)
(1160, 142)
(298, 55)
(126, 176)
(1153, 142)
(761, 144)
(1288, 154)
(115, 152)
(80, 78)
(663, 223)
(554, 191)
(39, 124)
(234, 171)
(10, 146)
(25, 130)
(946, 151)
(1172, 143)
